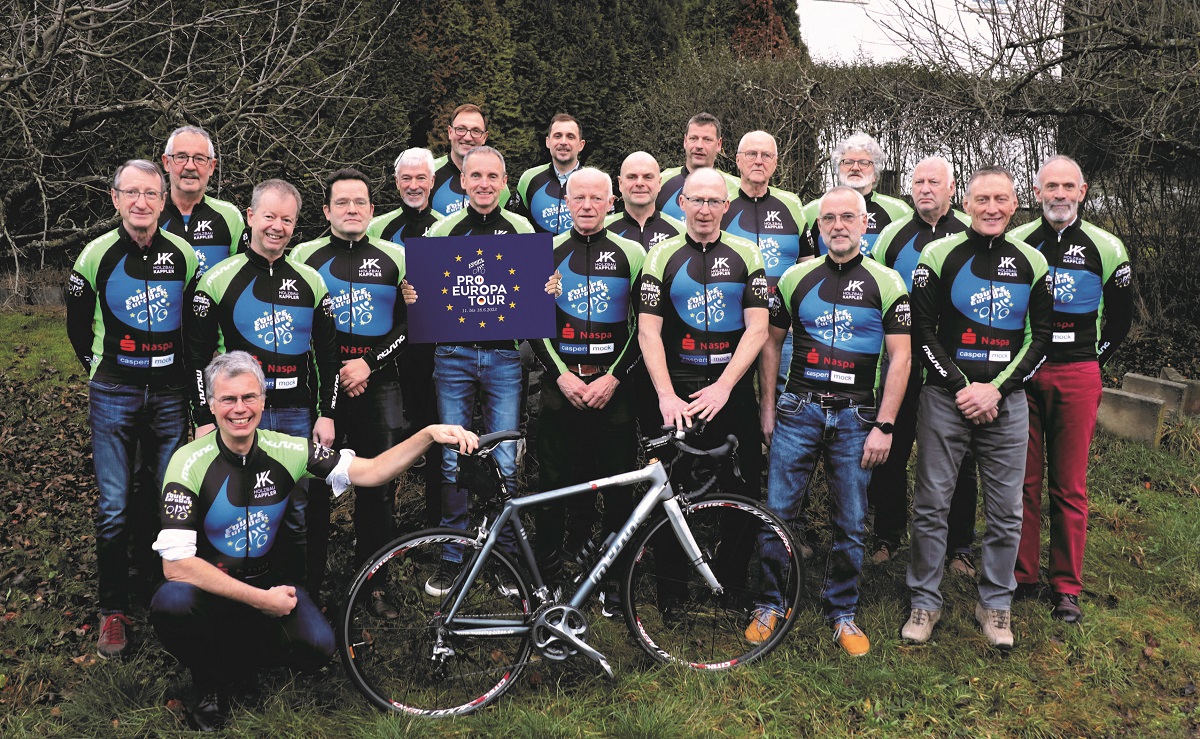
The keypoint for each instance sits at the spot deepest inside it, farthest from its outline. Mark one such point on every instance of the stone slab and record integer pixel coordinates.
(1170, 393)
(1191, 396)
(1131, 416)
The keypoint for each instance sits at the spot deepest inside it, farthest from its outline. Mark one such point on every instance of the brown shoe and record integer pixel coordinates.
(962, 564)
(114, 635)
(884, 551)
(851, 638)
(1066, 608)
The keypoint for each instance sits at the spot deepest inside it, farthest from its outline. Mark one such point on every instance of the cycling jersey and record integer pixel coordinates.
(363, 278)
(700, 291)
(214, 229)
(981, 311)
(845, 311)
(672, 186)
(235, 505)
(448, 195)
(774, 222)
(900, 244)
(881, 210)
(593, 316)
(125, 308)
(403, 222)
(540, 198)
(276, 312)
(1093, 285)
(659, 227)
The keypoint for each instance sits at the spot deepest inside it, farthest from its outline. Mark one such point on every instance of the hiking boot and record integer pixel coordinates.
(762, 624)
(1066, 608)
(210, 712)
(442, 580)
(851, 638)
(380, 607)
(996, 625)
(610, 602)
(963, 565)
(114, 635)
(884, 551)
(919, 627)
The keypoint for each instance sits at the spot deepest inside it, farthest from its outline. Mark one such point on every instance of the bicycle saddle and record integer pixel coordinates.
(488, 442)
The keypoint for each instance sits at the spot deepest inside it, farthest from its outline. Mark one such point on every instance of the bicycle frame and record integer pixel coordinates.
(660, 492)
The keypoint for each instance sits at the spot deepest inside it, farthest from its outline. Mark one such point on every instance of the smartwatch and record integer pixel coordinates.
(886, 428)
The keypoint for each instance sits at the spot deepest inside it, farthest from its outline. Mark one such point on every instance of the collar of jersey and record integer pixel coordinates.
(485, 218)
(413, 214)
(347, 245)
(595, 238)
(157, 242)
(258, 260)
(743, 196)
(234, 457)
(833, 266)
(687, 237)
(979, 241)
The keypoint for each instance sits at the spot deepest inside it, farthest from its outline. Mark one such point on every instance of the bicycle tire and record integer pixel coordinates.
(391, 660)
(671, 610)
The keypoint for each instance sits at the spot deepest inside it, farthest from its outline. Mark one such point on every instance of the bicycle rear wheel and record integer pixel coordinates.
(670, 608)
(410, 663)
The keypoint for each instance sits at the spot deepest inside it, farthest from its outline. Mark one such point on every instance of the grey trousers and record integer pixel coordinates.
(943, 437)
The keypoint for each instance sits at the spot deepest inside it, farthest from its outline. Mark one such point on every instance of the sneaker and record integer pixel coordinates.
(884, 550)
(851, 638)
(380, 607)
(1066, 608)
(442, 580)
(963, 564)
(210, 712)
(919, 627)
(610, 603)
(114, 635)
(762, 625)
(996, 625)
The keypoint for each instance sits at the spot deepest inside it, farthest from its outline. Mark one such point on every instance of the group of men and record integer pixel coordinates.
(663, 313)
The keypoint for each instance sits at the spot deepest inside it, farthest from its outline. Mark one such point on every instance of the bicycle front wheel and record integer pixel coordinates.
(674, 613)
(393, 637)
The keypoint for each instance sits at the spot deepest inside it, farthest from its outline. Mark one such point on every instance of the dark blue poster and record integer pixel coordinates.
(480, 288)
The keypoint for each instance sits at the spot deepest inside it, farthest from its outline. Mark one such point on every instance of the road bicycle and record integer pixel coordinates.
(690, 578)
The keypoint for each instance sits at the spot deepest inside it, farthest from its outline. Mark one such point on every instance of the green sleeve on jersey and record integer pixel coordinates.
(678, 224)
(1112, 250)
(895, 207)
(886, 236)
(179, 498)
(445, 226)
(290, 451)
(523, 183)
(793, 204)
(668, 174)
(891, 285)
(375, 227)
(519, 223)
(300, 253)
(233, 219)
(812, 209)
(747, 250)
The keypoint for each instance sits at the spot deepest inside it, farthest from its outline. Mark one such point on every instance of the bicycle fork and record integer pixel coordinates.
(690, 548)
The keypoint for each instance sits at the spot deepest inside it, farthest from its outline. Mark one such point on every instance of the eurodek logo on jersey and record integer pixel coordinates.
(480, 288)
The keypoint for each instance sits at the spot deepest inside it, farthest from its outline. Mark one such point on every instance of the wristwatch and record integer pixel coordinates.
(886, 428)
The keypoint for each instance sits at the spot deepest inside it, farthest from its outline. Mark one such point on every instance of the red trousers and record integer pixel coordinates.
(1063, 398)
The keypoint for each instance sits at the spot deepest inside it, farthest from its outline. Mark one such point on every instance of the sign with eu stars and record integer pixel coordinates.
(480, 288)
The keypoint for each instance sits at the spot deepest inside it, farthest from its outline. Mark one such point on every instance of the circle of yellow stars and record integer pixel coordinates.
(511, 304)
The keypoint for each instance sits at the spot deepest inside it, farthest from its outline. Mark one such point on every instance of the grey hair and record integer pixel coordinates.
(859, 141)
(993, 170)
(170, 148)
(231, 365)
(415, 155)
(144, 166)
(483, 150)
(590, 171)
(742, 141)
(942, 161)
(862, 202)
(1058, 158)
(278, 186)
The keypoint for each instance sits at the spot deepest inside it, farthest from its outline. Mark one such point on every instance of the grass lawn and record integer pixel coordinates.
(1130, 669)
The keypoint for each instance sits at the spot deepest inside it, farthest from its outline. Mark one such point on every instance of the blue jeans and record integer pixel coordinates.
(121, 417)
(804, 433)
(458, 372)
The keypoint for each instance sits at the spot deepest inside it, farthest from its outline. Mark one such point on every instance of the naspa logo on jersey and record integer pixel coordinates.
(264, 486)
(1075, 254)
(288, 290)
(370, 268)
(164, 264)
(721, 268)
(853, 291)
(607, 262)
(1007, 267)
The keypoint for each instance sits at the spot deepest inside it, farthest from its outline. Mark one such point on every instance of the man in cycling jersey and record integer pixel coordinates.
(845, 311)
(586, 427)
(541, 191)
(702, 319)
(701, 144)
(641, 221)
(229, 606)
(981, 324)
(213, 227)
(363, 276)
(899, 247)
(125, 298)
(859, 159)
(467, 130)
(1093, 308)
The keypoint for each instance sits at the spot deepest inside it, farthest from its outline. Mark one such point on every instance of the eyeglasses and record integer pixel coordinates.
(199, 159)
(713, 203)
(343, 203)
(863, 163)
(463, 131)
(151, 196)
(766, 156)
(830, 218)
(249, 400)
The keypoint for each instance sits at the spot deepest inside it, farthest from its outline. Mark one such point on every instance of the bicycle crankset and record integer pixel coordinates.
(559, 632)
